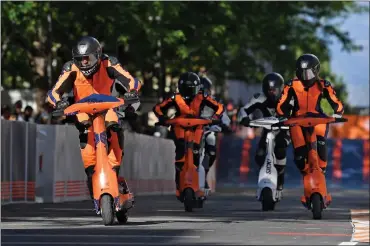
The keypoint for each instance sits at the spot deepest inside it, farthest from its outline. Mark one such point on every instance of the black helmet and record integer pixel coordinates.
(272, 85)
(86, 55)
(189, 85)
(307, 69)
(205, 84)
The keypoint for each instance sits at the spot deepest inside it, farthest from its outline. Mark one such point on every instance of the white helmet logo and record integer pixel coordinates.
(304, 64)
(181, 82)
(271, 83)
(82, 48)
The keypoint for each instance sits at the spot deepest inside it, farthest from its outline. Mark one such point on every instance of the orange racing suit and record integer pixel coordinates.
(307, 100)
(182, 109)
(109, 74)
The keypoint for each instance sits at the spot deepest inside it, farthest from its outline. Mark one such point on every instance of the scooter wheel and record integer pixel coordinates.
(106, 207)
(267, 199)
(188, 200)
(122, 216)
(316, 206)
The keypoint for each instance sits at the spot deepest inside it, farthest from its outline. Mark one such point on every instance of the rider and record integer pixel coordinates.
(210, 137)
(188, 101)
(272, 85)
(90, 71)
(303, 95)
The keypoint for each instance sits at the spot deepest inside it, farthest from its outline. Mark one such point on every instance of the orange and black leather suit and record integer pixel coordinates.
(307, 100)
(182, 109)
(109, 74)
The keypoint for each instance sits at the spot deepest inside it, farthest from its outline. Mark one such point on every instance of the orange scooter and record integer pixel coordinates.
(315, 198)
(192, 178)
(107, 198)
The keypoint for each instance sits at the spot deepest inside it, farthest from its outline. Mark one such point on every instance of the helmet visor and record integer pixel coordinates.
(306, 74)
(86, 61)
(189, 91)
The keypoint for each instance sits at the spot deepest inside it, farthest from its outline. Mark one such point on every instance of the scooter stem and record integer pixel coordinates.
(104, 173)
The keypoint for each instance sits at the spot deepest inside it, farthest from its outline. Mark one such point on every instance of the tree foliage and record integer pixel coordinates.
(238, 37)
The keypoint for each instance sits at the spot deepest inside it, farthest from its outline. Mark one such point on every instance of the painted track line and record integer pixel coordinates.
(360, 224)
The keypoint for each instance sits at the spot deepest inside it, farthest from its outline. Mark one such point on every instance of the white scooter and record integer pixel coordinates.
(267, 180)
(203, 158)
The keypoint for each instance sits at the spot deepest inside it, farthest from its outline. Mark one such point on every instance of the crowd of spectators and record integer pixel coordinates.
(143, 123)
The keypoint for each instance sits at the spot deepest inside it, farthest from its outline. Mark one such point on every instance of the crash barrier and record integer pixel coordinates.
(42, 163)
(348, 164)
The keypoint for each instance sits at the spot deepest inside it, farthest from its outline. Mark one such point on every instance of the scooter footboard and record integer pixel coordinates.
(105, 181)
(190, 179)
(267, 178)
(314, 182)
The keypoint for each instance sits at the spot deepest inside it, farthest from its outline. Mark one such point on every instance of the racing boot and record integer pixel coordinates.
(126, 197)
(89, 172)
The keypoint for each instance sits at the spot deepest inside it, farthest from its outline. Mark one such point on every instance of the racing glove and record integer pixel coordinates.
(337, 116)
(131, 95)
(245, 121)
(61, 105)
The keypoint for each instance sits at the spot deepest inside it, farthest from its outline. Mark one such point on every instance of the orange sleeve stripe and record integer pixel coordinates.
(282, 99)
(335, 99)
(220, 109)
(53, 96)
(158, 107)
(127, 75)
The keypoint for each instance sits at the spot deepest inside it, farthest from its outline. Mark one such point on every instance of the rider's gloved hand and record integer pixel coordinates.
(130, 95)
(245, 121)
(61, 105)
(337, 115)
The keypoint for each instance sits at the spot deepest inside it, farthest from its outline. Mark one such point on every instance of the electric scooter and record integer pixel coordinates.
(108, 200)
(192, 178)
(315, 198)
(267, 192)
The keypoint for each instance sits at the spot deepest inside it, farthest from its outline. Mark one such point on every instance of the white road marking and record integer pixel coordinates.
(348, 243)
(94, 235)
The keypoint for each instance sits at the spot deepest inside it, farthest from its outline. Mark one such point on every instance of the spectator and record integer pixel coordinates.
(43, 117)
(27, 114)
(5, 112)
(17, 114)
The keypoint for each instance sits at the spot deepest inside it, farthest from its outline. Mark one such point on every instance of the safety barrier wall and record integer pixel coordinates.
(348, 164)
(42, 163)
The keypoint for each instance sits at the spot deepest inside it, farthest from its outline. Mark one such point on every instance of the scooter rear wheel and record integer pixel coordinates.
(316, 206)
(267, 199)
(106, 208)
(188, 200)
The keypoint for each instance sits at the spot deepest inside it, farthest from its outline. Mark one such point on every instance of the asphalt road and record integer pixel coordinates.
(226, 219)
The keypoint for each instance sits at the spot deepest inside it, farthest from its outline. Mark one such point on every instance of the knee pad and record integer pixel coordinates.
(210, 150)
(322, 150)
(280, 169)
(280, 153)
(300, 156)
(113, 126)
(83, 139)
(196, 154)
(211, 139)
(260, 156)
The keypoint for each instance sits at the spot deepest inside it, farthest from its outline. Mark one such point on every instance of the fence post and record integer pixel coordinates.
(26, 164)
(11, 165)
